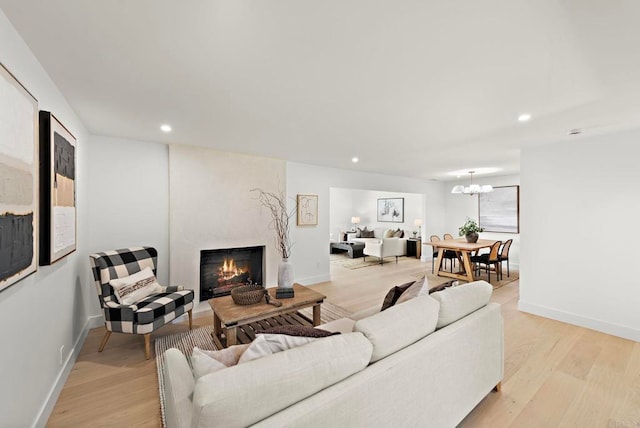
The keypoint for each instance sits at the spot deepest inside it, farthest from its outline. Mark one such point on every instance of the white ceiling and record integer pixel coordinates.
(414, 88)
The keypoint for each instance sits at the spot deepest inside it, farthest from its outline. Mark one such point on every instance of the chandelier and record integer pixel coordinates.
(472, 189)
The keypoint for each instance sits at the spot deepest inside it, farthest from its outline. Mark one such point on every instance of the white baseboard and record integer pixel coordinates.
(581, 321)
(63, 374)
(314, 279)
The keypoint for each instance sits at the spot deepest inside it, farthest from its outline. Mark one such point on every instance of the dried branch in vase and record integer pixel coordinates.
(280, 217)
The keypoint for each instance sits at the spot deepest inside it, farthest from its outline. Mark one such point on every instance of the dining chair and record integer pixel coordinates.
(452, 256)
(503, 255)
(489, 260)
(434, 254)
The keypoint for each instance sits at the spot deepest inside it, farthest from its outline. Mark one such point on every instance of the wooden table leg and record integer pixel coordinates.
(217, 326)
(316, 314)
(232, 337)
(467, 265)
(439, 260)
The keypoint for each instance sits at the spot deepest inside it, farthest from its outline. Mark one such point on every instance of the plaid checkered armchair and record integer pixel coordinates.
(144, 316)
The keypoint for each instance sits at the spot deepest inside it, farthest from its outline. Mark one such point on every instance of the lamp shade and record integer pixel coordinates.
(458, 189)
(417, 222)
(355, 220)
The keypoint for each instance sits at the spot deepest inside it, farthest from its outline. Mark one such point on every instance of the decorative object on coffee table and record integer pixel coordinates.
(470, 230)
(277, 206)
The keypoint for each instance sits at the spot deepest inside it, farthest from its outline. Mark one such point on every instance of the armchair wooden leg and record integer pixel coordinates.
(106, 337)
(147, 345)
(190, 319)
(498, 387)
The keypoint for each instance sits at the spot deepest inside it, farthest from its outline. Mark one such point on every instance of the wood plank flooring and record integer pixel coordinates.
(555, 374)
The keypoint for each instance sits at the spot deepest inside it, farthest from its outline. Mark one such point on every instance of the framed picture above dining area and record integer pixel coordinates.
(499, 211)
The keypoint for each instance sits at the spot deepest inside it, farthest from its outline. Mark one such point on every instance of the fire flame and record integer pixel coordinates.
(229, 269)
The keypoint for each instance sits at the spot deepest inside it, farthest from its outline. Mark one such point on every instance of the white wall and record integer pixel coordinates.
(458, 207)
(346, 203)
(128, 201)
(311, 252)
(212, 207)
(46, 310)
(579, 208)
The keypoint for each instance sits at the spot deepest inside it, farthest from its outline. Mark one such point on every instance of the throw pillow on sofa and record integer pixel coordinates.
(297, 330)
(418, 288)
(204, 364)
(368, 233)
(392, 295)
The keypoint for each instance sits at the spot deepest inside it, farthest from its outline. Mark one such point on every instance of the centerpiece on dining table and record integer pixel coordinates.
(470, 230)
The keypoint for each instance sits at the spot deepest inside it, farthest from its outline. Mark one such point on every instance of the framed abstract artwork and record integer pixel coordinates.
(57, 190)
(499, 211)
(391, 210)
(18, 180)
(307, 210)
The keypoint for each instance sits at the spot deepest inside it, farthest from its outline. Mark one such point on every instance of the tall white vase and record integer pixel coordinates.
(285, 274)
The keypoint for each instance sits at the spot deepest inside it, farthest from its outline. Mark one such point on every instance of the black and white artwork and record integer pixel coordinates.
(499, 211)
(18, 180)
(57, 190)
(391, 210)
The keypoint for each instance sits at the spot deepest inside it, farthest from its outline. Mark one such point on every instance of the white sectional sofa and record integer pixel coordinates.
(425, 362)
(381, 247)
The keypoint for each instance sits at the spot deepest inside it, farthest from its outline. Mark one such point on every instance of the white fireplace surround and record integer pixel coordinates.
(211, 206)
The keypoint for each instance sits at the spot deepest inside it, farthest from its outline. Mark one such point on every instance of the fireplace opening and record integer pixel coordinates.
(223, 269)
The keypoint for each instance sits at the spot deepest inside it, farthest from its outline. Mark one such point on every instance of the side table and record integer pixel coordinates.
(414, 247)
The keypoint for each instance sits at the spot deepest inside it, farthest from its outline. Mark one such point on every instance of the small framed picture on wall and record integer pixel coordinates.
(307, 210)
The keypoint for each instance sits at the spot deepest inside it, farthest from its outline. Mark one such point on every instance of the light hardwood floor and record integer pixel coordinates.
(555, 374)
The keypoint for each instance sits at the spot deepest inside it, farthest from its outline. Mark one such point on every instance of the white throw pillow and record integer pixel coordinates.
(227, 356)
(266, 344)
(257, 349)
(204, 364)
(133, 288)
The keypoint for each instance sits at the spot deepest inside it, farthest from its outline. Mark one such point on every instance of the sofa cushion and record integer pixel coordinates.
(460, 301)
(247, 393)
(159, 305)
(399, 326)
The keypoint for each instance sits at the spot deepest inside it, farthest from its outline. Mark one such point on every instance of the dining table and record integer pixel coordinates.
(464, 250)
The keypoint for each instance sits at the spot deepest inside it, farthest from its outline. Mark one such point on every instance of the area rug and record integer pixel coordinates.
(362, 262)
(435, 280)
(201, 337)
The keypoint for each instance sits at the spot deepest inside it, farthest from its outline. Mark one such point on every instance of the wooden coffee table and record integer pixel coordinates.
(229, 318)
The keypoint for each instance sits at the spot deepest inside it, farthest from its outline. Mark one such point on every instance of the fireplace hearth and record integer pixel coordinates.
(226, 268)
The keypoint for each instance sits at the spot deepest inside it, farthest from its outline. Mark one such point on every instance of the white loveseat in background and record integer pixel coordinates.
(381, 247)
(425, 362)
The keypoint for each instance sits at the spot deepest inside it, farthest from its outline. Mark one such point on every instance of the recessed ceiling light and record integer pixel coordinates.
(524, 117)
(165, 128)
(354, 159)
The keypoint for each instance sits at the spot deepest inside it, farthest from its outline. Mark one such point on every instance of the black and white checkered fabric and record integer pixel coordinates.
(146, 315)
